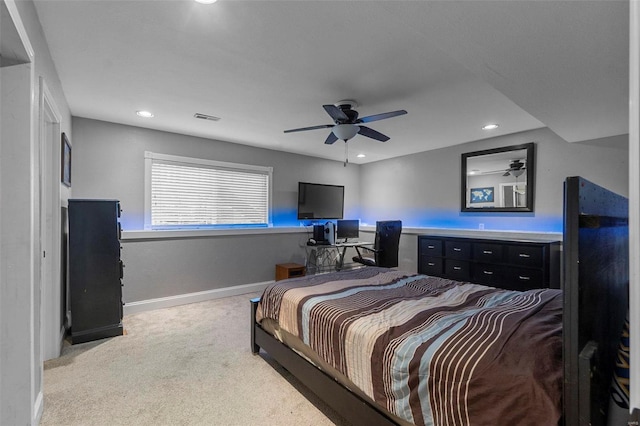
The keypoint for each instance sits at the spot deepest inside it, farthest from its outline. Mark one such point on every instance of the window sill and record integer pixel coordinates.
(204, 233)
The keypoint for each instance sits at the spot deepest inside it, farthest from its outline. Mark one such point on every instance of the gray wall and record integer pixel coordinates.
(108, 162)
(20, 304)
(169, 267)
(423, 190)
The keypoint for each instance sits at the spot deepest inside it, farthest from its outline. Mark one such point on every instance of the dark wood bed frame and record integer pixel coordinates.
(349, 405)
(595, 286)
(596, 296)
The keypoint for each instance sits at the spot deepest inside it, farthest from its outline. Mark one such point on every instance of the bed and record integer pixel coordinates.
(383, 346)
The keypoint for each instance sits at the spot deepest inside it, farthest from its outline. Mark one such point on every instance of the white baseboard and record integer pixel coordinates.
(38, 408)
(63, 333)
(200, 296)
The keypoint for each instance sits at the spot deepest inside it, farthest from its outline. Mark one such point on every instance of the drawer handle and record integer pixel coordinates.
(524, 277)
(457, 249)
(457, 268)
(487, 252)
(431, 264)
(525, 255)
(431, 247)
(488, 272)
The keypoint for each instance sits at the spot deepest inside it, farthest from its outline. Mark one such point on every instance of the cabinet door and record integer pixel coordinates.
(430, 247)
(457, 250)
(526, 255)
(457, 269)
(488, 274)
(487, 252)
(524, 279)
(430, 266)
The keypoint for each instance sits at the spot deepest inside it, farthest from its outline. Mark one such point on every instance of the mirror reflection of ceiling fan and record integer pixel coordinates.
(516, 168)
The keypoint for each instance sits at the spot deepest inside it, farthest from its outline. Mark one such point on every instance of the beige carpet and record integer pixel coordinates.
(186, 365)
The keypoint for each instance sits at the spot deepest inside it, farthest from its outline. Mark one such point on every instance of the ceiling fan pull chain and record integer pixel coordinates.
(346, 153)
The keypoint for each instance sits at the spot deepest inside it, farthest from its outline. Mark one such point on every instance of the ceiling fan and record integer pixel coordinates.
(347, 124)
(516, 168)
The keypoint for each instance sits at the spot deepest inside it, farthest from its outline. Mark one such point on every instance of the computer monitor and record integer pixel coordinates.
(348, 228)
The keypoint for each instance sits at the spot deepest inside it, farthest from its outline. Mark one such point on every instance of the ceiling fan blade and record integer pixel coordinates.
(302, 129)
(373, 134)
(331, 138)
(382, 116)
(336, 113)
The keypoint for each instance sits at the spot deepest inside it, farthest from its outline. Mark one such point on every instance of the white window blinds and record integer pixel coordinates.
(194, 193)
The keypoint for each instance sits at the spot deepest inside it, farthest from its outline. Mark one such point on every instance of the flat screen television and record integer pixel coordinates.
(320, 201)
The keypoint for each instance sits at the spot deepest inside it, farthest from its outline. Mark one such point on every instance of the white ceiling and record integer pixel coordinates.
(266, 66)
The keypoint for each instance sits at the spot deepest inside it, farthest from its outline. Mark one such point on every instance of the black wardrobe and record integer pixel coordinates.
(95, 270)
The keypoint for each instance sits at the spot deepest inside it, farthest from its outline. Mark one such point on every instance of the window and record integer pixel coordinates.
(182, 192)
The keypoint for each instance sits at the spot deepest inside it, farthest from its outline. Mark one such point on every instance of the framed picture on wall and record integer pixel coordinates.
(481, 195)
(66, 161)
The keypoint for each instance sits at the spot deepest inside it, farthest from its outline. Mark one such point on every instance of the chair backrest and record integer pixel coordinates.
(387, 242)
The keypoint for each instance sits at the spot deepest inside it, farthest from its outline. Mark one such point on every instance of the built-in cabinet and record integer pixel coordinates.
(95, 269)
(509, 264)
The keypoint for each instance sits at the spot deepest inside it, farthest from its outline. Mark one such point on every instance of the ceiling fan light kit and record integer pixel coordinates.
(345, 131)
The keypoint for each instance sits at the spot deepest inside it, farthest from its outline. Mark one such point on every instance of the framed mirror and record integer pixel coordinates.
(498, 180)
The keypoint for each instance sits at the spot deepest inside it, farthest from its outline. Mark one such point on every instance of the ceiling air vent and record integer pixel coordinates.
(206, 117)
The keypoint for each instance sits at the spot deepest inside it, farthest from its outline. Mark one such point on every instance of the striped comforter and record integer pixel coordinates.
(431, 350)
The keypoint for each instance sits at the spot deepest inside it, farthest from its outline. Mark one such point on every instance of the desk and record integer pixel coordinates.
(326, 258)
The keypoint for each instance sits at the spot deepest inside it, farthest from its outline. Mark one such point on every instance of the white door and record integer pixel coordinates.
(52, 295)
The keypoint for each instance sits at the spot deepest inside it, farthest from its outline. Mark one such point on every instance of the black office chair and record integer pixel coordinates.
(385, 248)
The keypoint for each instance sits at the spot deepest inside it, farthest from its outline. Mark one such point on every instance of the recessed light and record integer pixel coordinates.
(360, 155)
(145, 114)
(206, 1)
(490, 127)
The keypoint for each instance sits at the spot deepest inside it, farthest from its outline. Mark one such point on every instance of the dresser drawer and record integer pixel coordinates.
(526, 255)
(430, 247)
(524, 279)
(431, 266)
(491, 275)
(457, 250)
(485, 252)
(457, 269)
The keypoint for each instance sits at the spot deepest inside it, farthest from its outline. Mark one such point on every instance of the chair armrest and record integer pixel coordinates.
(370, 249)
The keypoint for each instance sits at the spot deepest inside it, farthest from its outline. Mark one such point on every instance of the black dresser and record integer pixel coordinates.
(95, 269)
(508, 264)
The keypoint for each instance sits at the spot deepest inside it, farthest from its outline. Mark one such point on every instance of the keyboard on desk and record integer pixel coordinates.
(353, 243)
